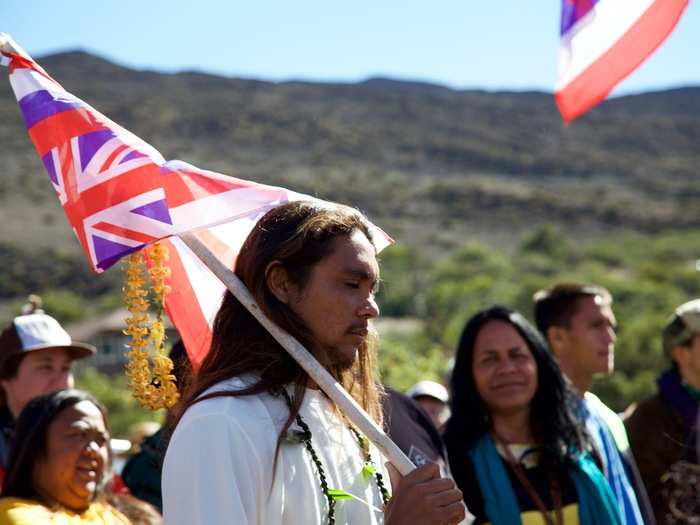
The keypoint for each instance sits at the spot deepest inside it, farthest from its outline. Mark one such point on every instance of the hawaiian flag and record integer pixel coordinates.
(120, 194)
(603, 41)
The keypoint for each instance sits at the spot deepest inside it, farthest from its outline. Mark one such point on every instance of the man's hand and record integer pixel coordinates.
(424, 498)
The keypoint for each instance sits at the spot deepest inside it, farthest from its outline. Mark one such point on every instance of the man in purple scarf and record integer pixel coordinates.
(663, 428)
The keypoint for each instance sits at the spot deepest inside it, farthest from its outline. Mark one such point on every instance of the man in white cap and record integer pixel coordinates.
(663, 428)
(36, 357)
(433, 397)
(415, 428)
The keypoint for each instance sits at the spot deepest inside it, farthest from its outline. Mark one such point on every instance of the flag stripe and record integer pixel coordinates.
(573, 11)
(594, 34)
(226, 253)
(197, 185)
(26, 81)
(95, 199)
(61, 127)
(19, 63)
(227, 206)
(124, 232)
(594, 84)
(107, 163)
(182, 304)
(41, 104)
(50, 168)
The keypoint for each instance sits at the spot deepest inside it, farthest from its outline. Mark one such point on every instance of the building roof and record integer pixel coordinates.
(114, 321)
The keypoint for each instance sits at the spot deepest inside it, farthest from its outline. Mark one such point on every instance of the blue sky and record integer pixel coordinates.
(510, 44)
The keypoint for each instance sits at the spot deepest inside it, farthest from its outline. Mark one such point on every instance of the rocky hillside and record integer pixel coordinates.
(432, 165)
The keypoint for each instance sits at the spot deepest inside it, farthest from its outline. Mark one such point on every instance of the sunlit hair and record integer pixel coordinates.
(552, 420)
(298, 235)
(30, 441)
(137, 511)
(556, 306)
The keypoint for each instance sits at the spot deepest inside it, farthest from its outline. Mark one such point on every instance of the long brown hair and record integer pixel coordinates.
(298, 235)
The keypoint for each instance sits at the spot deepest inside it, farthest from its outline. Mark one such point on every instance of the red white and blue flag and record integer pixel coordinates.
(120, 194)
(603, 41)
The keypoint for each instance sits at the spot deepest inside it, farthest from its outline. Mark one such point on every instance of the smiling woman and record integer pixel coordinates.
(516, 450)
(59, 461)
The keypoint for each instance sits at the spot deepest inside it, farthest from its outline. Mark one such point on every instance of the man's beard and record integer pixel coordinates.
(341, 361)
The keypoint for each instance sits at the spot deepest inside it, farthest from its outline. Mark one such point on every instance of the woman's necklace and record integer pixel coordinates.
(305, 437)
(554, 488)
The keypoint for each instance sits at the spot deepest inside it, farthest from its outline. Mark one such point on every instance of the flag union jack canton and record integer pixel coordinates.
(117, 191)
(603, 41)
(120, 194)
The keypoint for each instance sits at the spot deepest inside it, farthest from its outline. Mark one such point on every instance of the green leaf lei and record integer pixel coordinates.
(333, 495)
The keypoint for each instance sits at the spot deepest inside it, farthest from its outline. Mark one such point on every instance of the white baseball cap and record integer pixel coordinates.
(683, 325)
(38, 331)
(430, 389)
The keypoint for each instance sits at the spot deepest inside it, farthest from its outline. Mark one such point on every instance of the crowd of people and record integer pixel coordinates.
(515, 437)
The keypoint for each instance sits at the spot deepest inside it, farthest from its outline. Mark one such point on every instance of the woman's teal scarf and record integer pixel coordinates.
(596, 503)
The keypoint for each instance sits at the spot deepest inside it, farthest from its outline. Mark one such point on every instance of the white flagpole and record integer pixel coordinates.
(354, 412)
(9, 45)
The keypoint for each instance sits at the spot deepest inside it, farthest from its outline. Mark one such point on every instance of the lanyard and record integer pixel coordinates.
(554, 488)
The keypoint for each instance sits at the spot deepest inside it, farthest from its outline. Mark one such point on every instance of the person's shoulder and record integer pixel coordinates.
(648, 404)
(17, 511)
(397, 405)
(602, 411)
(651, 410)
(17, 503)
(230, 406)
(594, 402)
(102, 512)
(250, 415)
(611, 419)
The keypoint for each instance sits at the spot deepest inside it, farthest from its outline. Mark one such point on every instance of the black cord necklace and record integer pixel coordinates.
(305, 437)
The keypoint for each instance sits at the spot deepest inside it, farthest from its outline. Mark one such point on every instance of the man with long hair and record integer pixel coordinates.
(257, 441)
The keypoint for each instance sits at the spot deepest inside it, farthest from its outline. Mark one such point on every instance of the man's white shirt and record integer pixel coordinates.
(219, 464)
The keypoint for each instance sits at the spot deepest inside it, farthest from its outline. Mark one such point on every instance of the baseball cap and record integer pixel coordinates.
(430, 389)
(682, 326)
(38, 331)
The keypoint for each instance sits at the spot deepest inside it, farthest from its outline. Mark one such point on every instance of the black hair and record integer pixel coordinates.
(297, 235)
(553, 421)
(556, 306)
(29, 442)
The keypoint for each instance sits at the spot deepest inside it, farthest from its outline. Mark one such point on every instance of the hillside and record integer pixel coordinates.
(464, 180)
(432, 165)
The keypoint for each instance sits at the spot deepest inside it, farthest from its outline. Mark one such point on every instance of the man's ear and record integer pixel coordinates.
(278, 281)
(557, 338)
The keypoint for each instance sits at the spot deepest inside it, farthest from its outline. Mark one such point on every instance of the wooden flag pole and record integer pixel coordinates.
(354, 412)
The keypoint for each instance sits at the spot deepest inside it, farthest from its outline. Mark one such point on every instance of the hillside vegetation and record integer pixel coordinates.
(488, 194)
(430, 164)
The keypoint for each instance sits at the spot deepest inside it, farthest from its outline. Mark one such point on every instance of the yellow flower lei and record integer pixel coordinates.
(153, 389)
